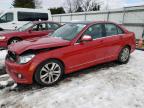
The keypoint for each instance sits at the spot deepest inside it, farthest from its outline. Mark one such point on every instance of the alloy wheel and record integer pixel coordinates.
(125, 54)
(50, 73)
(14, 41)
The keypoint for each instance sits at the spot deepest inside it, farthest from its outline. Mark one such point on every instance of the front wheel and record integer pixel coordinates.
(124, 55)
(49, 72)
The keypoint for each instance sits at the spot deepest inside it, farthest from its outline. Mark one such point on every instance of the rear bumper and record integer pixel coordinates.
(133, 48)
(14, 70)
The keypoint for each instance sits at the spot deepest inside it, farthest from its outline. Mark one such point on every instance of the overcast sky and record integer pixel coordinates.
(5, 4)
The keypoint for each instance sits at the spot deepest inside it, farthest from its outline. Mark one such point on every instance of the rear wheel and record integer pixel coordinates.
(14, 40)
(49, 73)
(124, 55)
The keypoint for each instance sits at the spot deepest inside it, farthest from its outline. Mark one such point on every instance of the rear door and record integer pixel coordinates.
(113, 40)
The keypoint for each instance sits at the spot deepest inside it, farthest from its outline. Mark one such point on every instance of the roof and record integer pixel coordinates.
(88, 22)
(25, 9)
(44, 22)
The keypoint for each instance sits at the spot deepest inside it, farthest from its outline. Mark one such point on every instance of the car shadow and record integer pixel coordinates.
(92, 69)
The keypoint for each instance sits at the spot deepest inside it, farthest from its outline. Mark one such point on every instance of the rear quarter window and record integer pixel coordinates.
(41, 16)
(112, 29)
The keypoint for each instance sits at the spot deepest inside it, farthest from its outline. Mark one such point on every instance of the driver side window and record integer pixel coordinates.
(95, 31)
(39, 27)
(8, 17)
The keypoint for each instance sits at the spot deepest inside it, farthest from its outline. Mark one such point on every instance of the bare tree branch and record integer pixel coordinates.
(38, 4)
(82, 5)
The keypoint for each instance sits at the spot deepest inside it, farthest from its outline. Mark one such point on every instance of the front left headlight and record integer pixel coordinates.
(2, 37)
(25, 58)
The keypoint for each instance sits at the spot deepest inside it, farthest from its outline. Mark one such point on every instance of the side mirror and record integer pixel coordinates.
(86, 38)
(50, 33)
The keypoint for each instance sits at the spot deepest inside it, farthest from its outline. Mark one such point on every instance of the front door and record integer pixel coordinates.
(38, 30)
(85, 54)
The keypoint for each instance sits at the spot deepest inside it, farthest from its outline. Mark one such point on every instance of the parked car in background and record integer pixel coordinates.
(16, 17)
(29, 30)
(72, 47)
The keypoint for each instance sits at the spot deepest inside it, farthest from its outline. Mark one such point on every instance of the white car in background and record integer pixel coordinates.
(16, 17)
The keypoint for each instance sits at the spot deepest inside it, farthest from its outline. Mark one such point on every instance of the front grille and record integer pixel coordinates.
(11, 56)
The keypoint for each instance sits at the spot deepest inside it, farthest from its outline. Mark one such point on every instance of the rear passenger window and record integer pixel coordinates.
(95, 31)
(41, 16)
(53, 26)
(26, 16)
(112, 29)
(39, 27)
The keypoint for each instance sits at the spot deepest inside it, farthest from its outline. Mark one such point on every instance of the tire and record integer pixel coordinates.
(49, 72)
(14, 40)
(124, 55)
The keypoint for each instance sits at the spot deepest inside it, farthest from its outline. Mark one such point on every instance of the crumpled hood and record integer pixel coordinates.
(37, 43)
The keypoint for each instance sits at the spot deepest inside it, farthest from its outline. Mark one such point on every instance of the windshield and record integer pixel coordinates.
(68, 31)
(25, 27)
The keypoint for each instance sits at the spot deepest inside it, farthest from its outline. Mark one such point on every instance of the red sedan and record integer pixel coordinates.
(72, 47)
(29, 30)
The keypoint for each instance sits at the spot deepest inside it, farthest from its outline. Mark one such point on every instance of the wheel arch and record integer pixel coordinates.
(119, 55)
(33, 78)
(127, 46)
(15, 37)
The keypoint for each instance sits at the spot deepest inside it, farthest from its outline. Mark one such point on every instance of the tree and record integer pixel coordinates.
(69, 6)
(94, 6)
(79, 9)
(86, 5)
(73, 6)
(91, 5)
(38, 3)
(24, 3)
(59, 10)
(77, 5)
(82, 5)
